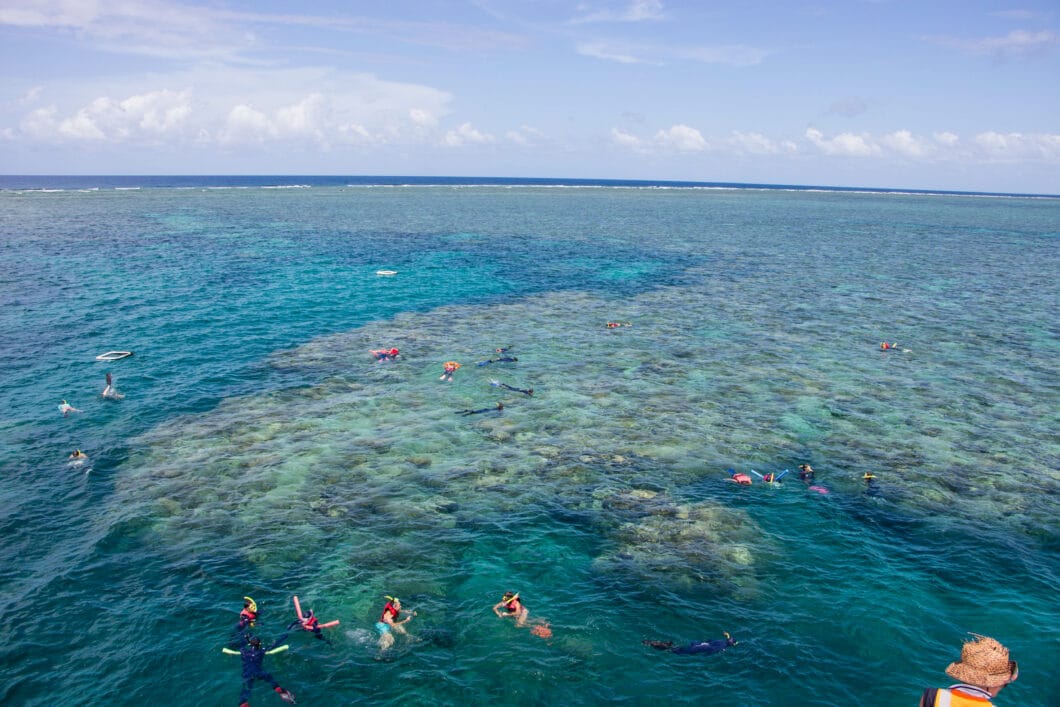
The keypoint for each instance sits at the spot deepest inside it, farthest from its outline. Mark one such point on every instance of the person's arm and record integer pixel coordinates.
(929, 697)
(496, 609)
(275, 647)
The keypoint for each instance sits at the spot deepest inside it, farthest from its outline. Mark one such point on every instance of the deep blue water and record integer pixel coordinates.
(259, 450)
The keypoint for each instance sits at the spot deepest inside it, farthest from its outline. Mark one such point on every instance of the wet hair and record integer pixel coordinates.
(255, 641)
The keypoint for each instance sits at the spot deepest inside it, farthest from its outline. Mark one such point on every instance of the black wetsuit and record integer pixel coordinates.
(317, 631)
(496, 408)
(502, 359)
(715, 646)
(529, 391)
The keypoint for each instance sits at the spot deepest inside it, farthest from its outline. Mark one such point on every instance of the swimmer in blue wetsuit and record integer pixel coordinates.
(715, 646)
(253, 655)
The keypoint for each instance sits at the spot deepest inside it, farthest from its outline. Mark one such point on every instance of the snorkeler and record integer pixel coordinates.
(497, 384)
(503, 349)
(385, 354)
(309, 622)
(871, 489)
(110, 392)
(615, 325)
(502, 359)
(805, 473)
(253, 655)
(887, 347)
(739, 478)
(248, 615)
(715, 646)
(771, 478)
(78, 455)
(388, 623)
(512, 607)
(65, 407)
(496, 408)
(448, 369)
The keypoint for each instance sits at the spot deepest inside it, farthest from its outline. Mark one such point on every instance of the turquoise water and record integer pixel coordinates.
(259, 450)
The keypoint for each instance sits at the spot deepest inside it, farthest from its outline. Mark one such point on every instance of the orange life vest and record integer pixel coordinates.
(944, 697)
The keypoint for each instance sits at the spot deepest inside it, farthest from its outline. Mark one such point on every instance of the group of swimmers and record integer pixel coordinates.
(806, 476)
(449, 368)
(392, 621)
(78, 458)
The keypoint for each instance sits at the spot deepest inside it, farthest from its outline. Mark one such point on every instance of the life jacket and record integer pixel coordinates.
(512, 605)
(389, 609)
(248, 616)
(310, 623)
(948, 697)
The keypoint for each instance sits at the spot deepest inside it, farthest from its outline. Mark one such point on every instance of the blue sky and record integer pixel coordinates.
(879, 93)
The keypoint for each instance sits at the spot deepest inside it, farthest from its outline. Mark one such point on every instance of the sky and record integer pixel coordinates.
(922, 94)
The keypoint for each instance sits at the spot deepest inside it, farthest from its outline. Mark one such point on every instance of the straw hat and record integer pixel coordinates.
(985, 663)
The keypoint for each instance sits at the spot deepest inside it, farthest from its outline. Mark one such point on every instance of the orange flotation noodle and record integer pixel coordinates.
(542, 631)
(302, 617)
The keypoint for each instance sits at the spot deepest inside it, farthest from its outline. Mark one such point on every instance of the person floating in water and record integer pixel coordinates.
(65, 408)
(739, 478)
(253, 655)
(770, 478)
(248, 615)
(448, 369)
(715, 646)
(887, 347)
(503, 349)
(78, 455)
(510, 606)
(806, 473)
(385, 354)
(110, 392)
(502, 359)
(388, 623)
(615, 325)
(309, 622)
(496, 408)
(871, 489)
(498, 384)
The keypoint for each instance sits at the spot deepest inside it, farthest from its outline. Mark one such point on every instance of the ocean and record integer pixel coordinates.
(261, 451)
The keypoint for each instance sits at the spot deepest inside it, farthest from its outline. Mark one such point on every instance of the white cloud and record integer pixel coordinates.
(758, 144)
(846, 144)
(147, 117)
(31, 95)
(681, 138)
(626, 140)
(598, 50)
(525, 135)
(947, 138)
(1014, 14)
(466, 135)
(231, 106)
(1019, 146)
(905, 143)
(634, 11)
(737, 55)
(423, 118)
(1016, 43)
